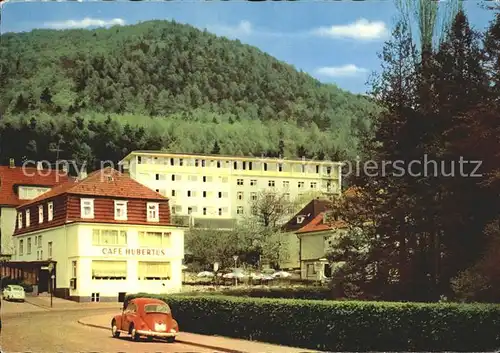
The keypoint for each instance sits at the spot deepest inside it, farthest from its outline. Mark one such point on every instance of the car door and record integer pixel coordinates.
(128, 316)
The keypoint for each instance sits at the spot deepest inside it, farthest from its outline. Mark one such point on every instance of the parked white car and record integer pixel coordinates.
(281, 274)
(14, 292)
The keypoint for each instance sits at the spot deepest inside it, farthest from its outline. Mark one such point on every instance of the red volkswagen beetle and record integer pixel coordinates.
(145, 317)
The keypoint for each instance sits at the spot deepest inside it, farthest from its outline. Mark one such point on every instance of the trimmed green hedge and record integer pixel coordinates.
(311, 293)
(341, 325)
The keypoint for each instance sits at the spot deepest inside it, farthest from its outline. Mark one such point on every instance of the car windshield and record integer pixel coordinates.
(16, 288)
(157, 308)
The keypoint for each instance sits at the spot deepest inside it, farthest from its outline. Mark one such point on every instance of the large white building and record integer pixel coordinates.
(101, 237)
(221, 188)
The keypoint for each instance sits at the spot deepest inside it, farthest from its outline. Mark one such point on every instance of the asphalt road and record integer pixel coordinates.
(28, 329)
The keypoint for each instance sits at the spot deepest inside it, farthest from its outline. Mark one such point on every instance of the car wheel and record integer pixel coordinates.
(133, 333)
(114, 329)
(170, 339)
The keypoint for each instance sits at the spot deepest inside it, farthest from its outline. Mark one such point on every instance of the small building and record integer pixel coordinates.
(18, 184)
(303, 217)
(104, 235)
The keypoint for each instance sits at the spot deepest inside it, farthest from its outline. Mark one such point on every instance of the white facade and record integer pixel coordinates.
(209, 186)
(100, 261)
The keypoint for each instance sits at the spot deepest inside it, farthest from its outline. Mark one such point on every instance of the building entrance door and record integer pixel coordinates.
(43, 281)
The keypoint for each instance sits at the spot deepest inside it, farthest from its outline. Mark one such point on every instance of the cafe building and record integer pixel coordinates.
(103, 235)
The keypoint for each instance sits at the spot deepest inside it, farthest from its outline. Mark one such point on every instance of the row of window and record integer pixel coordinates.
(41, 216)
(87, 211)
(242, 165)
(38, 245)
(286, 183)
(113, 237)
(118, 270)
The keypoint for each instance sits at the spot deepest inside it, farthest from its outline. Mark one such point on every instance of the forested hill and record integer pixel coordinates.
(184, 87)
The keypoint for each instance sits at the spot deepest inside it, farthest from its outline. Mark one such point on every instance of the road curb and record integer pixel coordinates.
(177, 340)
(38, 305)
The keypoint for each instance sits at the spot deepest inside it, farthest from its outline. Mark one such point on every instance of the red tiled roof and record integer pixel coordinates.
(26, 176)
(99, 183)
(311, 210)
(317, 225)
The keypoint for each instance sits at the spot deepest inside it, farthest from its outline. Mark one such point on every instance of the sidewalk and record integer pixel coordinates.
(211, 342)
(63, 304)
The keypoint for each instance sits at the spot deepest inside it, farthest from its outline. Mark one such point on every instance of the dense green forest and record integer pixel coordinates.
(165, 85)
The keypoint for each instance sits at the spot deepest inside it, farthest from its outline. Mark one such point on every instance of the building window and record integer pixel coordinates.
(204, 211)
(28, 218)
(240, 195)
(153, 212)
(121, 210)
(94, 298)
(108, 237)
(253, 182)
(204, 194)
(204, 179)
(190, 210)
(87, 208)
(50, 211)
(28, 250)
(21, 247)
(40, 214)
(39, 242)
(203, 163)
(218, 164)
(301, 184)
(235, 165)
(239, 182)
(189, 193)
(49, 249)
(149, 271)
(239, 210)
(314, 185)
(196, 163)
(19, 220)
(220, 194)
(311, 270)
(181, 162)
(244, 165)
(172, 161)
(173, 192)
(253, 196)
(280, 167)
(286, 184)
(109, 270)
(317, 169)
(270, 183)
(303, 168)
(328, 170)
(73, 269)
(154, 239)
(249, 165)
(220, 211)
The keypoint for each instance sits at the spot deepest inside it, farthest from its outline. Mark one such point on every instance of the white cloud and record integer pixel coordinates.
(340, 71)
(85, 23)
(361, 29)
(244, 28)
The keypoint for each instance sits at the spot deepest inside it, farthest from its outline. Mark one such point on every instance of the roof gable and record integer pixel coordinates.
(107, 182)
(318, 225)
(308, 213)
(10, 178)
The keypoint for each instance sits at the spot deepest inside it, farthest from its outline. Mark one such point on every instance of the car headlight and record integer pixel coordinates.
(173, 331)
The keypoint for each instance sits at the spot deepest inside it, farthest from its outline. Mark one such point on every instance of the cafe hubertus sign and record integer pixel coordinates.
(133, 251)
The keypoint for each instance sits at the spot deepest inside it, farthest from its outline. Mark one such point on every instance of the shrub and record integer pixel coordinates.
(341, 325)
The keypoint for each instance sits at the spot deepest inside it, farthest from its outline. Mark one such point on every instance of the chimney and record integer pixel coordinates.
(39, 166)
(11, 163)
(82, 174)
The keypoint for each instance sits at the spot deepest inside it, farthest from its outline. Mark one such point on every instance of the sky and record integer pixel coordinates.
(334, 41)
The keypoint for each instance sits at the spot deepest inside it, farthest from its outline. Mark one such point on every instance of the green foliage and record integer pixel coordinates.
(341, 326)
(190, 90)
(296, 292)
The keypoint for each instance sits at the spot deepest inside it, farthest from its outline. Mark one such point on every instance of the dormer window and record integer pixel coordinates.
(300, 219)
(120, 210)
(87, 208)
(153, 212)
(19, 220)
(28, 218)
(40, 214)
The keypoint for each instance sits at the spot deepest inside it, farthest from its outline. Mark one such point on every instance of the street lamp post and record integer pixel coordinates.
(235, 257)
(51, 271)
